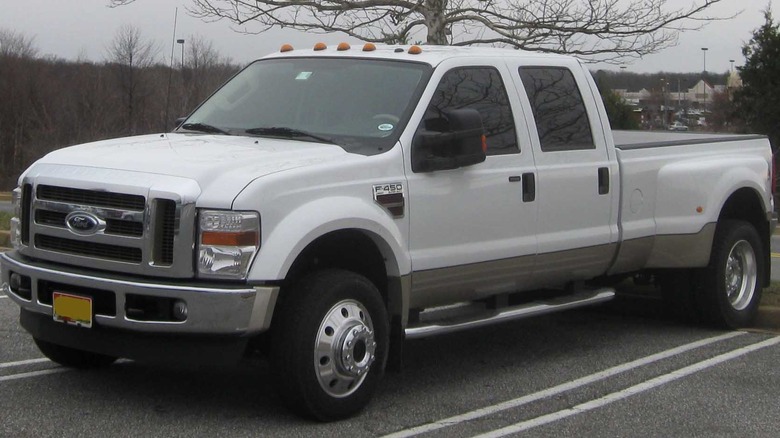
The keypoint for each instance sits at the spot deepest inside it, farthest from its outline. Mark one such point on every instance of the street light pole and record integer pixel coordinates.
(181, 41)
(663, 105)
(704, 77)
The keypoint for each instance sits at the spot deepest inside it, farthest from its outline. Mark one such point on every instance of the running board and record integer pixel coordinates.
(512, 313)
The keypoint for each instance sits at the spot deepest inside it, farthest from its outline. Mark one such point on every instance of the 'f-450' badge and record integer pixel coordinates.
(391, 197)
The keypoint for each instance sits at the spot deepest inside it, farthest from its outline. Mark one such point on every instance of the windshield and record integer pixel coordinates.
(361, 105)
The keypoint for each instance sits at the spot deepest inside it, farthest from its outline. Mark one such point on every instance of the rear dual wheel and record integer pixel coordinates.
(732, 283)
(728, 291)
(329, 346)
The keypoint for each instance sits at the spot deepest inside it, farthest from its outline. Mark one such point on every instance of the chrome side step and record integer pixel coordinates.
(511, 313)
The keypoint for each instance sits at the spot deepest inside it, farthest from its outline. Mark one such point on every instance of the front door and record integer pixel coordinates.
(472, 233)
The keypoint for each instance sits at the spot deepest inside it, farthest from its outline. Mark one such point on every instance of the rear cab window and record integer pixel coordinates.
(558, 109)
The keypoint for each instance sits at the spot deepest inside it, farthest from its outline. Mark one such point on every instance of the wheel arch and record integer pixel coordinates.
(356, 250)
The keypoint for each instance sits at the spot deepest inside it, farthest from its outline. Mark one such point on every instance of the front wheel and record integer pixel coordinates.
(732, 281)
(329, 346)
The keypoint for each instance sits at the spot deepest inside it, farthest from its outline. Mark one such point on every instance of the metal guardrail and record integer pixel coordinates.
(5, 196)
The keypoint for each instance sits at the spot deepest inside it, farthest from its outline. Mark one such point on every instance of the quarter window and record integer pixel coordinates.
(558, 108)
(482, 89)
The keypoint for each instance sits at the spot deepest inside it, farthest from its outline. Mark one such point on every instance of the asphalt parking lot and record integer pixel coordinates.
(619, 370)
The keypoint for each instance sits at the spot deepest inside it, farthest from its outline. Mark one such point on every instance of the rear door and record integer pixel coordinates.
(576, 178)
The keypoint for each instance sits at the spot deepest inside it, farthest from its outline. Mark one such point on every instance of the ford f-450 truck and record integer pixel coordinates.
(324, 205)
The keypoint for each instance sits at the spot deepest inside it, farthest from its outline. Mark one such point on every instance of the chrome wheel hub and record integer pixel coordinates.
(344, 348)
(741, 275)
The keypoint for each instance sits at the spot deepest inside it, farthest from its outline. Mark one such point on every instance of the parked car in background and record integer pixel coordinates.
(678, 126)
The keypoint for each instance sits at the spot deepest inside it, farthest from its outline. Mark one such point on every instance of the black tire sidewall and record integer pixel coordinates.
(293, 339)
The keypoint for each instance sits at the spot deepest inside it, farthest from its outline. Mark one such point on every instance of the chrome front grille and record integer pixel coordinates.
(89, 249)
(91, 197)
(137, 229)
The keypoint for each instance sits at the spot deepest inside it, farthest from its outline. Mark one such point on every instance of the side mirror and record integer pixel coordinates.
(453, 141)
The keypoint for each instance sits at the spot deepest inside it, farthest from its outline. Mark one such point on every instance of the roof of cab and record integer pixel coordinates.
(429, 54)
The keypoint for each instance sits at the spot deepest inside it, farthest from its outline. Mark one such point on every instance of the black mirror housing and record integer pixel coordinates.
(457, 141)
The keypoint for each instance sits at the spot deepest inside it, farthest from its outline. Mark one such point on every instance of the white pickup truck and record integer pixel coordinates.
(326, 204)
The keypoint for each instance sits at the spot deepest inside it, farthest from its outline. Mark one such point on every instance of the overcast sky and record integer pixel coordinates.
(83, 28)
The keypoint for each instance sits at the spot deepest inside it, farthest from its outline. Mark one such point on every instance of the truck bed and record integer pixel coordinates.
(629, 140)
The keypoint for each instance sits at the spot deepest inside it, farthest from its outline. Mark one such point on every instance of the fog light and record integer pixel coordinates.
(180, 310)
(20, 285)
(15, 282)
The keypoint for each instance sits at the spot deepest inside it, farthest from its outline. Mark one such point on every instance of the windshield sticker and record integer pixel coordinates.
(385, 127)
(304, 75)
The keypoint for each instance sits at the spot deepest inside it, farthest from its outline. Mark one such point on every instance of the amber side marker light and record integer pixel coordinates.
(320, 46)
(415, 50)
(368, 47)
(342, 47)
(286, 48)
(244, 238)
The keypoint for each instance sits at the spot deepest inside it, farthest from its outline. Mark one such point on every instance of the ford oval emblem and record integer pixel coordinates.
(83, 223)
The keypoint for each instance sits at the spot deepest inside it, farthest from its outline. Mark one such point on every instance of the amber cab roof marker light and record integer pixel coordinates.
(415, 50)
(320, 46)
(286, 48)
(369, 47)
(342, 47)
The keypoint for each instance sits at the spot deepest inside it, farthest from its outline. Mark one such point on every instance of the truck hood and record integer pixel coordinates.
(219, 164)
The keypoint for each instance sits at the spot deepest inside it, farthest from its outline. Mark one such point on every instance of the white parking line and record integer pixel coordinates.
(555, 390)
(636, 389)
(23, 362)
(33, 374)
(3, 296)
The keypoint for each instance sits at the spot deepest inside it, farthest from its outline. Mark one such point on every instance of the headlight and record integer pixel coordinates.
(16, 225)
(227, 243)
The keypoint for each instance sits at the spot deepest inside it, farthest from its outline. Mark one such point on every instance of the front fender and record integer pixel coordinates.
(295, 231)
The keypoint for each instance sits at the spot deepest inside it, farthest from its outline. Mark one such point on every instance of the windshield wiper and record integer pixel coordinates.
(203, 127)
(281, 131)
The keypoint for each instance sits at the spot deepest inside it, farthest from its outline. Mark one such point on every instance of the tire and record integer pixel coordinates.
(73, 358)
(732, 283)
(329, 344)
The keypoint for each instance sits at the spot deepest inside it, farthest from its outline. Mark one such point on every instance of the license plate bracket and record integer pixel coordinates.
(72, 309)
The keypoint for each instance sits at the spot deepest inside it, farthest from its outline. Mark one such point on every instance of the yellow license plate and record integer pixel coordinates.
(72, 309)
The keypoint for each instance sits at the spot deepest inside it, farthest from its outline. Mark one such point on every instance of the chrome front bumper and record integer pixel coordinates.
(219, 309)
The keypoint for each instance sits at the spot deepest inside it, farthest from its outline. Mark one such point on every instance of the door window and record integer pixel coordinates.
(482, 89)
(557, 105)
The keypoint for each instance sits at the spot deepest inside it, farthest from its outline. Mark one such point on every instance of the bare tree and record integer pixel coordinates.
(129, 53)
(203, 72)
(603, 30)
(16, 44)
